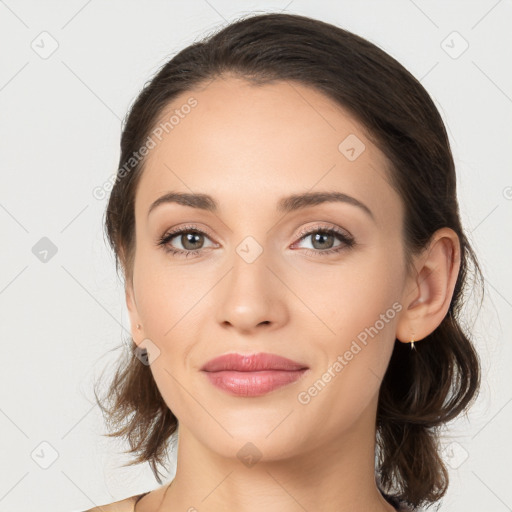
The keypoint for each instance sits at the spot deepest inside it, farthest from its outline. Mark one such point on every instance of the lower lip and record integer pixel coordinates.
(253, 383)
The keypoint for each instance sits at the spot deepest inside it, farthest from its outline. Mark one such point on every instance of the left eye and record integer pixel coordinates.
(323, 239)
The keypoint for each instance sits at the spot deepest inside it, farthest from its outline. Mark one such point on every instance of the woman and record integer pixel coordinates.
(286, 220)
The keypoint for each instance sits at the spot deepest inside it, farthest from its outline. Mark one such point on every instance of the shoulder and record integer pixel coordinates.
(151, 501)
(125, 505)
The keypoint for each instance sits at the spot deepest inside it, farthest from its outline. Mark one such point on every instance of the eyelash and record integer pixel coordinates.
(347, 240)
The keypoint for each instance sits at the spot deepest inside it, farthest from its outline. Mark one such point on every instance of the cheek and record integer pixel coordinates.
(345, 298)
(348, 378)
(366, 304)
(167, 300)
(358, 306)
(167, 297)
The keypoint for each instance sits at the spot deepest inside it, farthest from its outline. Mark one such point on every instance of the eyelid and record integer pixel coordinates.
(187, 227)
(323, 227)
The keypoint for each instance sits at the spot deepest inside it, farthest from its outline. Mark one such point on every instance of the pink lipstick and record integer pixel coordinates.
(253, 374)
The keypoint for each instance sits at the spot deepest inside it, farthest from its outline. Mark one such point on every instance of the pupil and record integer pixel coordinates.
(322, 236)
(189, 238)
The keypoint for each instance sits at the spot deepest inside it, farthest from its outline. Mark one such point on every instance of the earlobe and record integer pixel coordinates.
(427, 298)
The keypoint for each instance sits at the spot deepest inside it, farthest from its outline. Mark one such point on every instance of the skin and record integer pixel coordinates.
(248, 147)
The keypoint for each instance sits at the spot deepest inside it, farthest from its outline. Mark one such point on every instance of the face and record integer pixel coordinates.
(318, 282)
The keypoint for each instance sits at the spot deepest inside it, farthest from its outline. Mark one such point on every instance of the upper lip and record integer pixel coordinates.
(251, 363)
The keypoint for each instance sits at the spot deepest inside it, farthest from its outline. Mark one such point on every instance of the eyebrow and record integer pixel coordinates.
(284, 205)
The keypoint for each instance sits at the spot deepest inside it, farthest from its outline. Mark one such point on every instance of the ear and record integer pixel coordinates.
(428, 293)
(137, 333)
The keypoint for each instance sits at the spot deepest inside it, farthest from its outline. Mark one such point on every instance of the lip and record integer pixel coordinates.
(251, 363)
(253, 374)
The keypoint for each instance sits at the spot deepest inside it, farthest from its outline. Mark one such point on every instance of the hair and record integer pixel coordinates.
(422, 389)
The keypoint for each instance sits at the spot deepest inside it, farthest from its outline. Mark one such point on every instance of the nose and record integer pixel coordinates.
(251, 296)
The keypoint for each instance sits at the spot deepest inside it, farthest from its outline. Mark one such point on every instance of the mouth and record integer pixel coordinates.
(252, 375)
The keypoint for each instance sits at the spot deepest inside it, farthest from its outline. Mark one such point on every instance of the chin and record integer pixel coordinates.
(252, 440)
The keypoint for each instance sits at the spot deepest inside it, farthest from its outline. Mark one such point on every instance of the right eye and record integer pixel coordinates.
(188, 236)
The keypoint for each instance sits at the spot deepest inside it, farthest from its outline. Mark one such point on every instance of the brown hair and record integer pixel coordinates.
(422, 389)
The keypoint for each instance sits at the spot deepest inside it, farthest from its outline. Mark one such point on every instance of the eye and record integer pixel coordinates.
(192, 241)
(190, 237)
(323, 239)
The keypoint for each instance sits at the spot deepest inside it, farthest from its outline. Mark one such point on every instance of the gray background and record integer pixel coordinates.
(59, 139)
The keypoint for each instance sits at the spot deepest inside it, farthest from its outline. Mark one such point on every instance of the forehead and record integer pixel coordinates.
(249, 145)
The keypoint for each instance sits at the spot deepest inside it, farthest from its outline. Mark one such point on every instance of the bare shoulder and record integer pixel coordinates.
(151, 501)
(125, 505)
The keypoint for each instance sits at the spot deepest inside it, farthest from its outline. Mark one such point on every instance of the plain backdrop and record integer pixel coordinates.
(69, 72)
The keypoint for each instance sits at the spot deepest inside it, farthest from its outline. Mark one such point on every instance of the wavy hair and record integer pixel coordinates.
(421, 390)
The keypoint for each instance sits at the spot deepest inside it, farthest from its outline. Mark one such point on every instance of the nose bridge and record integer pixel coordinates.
(250, 274)
(250, 293)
